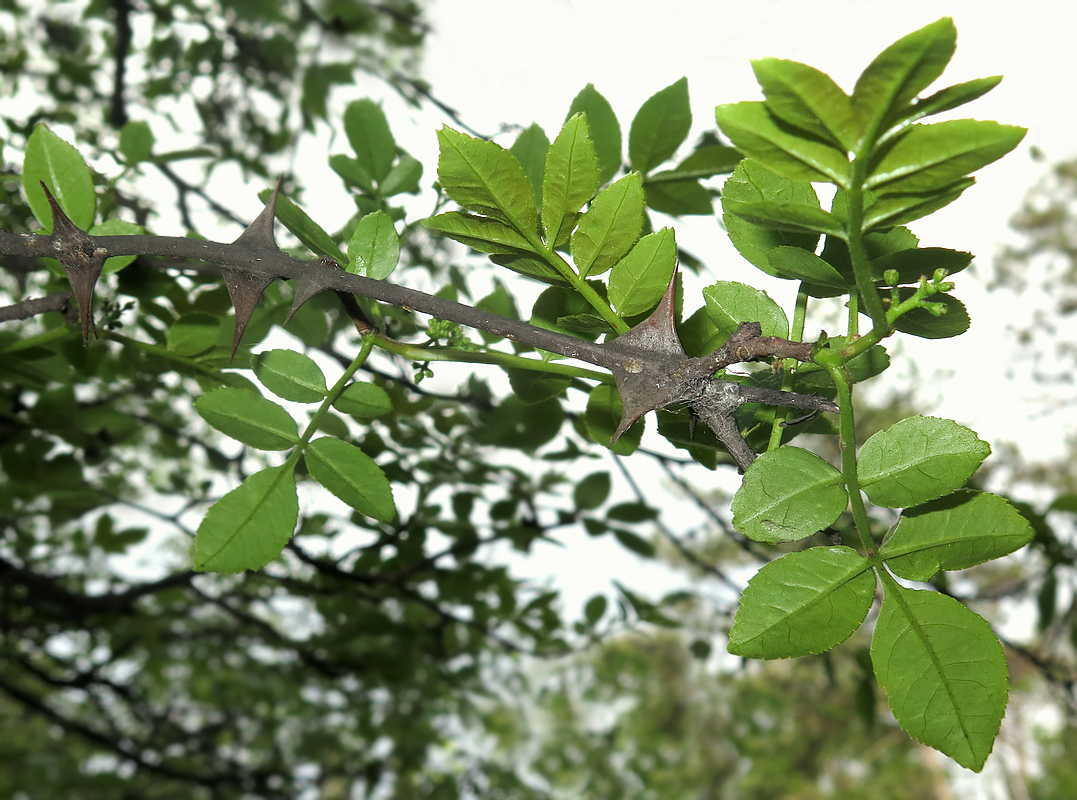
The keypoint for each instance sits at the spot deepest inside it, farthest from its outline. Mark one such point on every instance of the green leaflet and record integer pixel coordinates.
(569, 178)
(352, 476)
(791, 217)
(610, 227)
(193, 334)
(592, 491)
(900, 73)
(788, 494)
(638, 281)
(486, 178)
(897, 209)
(943, 670)
(918, 459)
(374, 247)
(921, 322)
(115, 227)
(52, 161)
(755, 132)
(249, 418)
(803, 603)
(363, 401)
(305, 229)
(920, 262)
(751, 182)
(730, 303)
(955, 532)
(808, 99)
(803, 265)
(530, 150)
(249, 526)
(605, 130)
(660, 126)
(368, 133)
(929, 157)
(136, 142)
(403, 178)
(479, 233)
(290, 375)
(953, 96)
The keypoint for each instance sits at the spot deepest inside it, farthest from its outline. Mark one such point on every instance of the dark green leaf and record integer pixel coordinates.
(486, 178)
(660, 126)
(569, 179)
(136, 142)
(803, 603)
(930, 157)
(363, 401)
(954, 532)
(374, 247)
(808, 99)
(610, 228)
(788, 494)
(918, 459)
(756, 133)
(249, 526)
(532, 266)
(592, 491)
(631, 541)
(943, 670)
(901, 72)
(638, 281)
(368, 132)
(52, 161)
(403, 178)
(710, 159)
(535, 387)
(604, 129)
(290, 375)
(116, 227)
(595, 609)
(677, 197)
(730, 303)
(530, 150)
(519, 425)
(352, 171)
(603, 415)
(921, 322)
(248, 418)
(352, 476)
(920, 262)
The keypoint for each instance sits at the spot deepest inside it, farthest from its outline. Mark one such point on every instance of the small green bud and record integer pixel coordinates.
(891, 277)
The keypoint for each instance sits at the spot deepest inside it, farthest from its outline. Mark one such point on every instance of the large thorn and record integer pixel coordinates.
(82, 262)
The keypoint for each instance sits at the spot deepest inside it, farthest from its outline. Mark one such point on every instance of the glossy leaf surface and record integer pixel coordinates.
(569, 178)
(610, 227)
(638, 280)
(249, 418)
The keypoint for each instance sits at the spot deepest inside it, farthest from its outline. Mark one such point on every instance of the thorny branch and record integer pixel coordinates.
(648, 362)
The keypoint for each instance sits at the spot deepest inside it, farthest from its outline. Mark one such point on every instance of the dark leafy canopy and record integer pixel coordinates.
(360, 504)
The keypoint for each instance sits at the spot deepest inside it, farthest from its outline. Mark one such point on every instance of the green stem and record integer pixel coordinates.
(847, 431)
(332, 395)
(865, 285)
(509, 360)
(191, 364)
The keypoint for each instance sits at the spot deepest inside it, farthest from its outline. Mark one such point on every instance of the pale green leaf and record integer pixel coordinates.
(610, 228)
(479, 233)
(803, 603)
(638, 281)
(249, 526)
(943, 670)
(483, 177)
(569, 179)
(918, 459)
(791, 217)
(660, 126)
(290, 375)
(730, 303)
(788, 494)
(352, 476)
(248, 418)
(136, 142)
(808, 99)
(374, 247)
(954, 532)
(756, 133)
(363, 401)
(50, 160)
